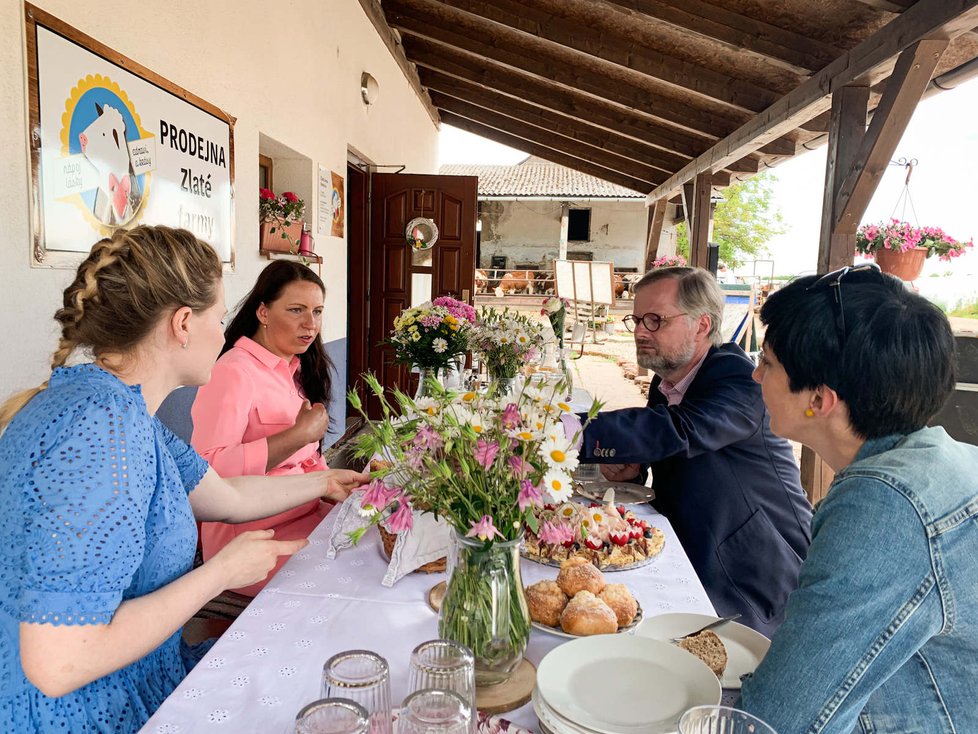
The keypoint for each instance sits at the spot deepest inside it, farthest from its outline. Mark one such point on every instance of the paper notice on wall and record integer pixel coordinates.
(324, 215)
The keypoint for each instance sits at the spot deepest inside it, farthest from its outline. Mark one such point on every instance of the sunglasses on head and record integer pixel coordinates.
(833, 281)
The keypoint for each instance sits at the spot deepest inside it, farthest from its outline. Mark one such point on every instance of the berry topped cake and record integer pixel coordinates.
(606, 535)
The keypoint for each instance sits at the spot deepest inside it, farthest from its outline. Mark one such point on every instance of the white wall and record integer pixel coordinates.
(529, 231)
(290, 71)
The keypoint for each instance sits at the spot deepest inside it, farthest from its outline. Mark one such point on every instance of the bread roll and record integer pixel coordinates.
(586, 614)
(708, 648)
(546, 601)
(621, 601)
(577, 574)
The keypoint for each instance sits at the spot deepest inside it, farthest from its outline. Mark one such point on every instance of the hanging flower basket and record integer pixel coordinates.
(900, 248)
(906, 265)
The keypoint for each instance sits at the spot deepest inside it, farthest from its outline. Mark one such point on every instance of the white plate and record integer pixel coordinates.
(550, 720)
(621, 630)
(745, 647)
(624, 684)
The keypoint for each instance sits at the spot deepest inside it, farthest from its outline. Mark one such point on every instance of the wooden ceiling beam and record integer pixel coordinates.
(555, 141)
(869, 62)
(583, 129)
(890, 6)
(555, 156)
(616, 49)
(375, 14)
(442, 61)
(777, 46)
(545, 60)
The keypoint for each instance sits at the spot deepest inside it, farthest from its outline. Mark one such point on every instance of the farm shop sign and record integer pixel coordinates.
(116, 146)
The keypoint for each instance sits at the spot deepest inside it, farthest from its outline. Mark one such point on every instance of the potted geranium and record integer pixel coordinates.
(669, 261)
(432, 335)
(281, 220)
(481, 463)
(900, 248)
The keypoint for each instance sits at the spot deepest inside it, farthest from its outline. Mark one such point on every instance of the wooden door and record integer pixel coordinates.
(401, 277)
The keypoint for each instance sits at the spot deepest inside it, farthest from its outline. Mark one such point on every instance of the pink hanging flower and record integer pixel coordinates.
(553, 533)
(427, 439)
(511, 417)
(519, 466)
(530, 495)
(402, 519)
(378, 495)
(484, 530)
(485, 453)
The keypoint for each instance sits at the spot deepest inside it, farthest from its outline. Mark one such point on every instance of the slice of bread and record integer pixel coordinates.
(708, 648)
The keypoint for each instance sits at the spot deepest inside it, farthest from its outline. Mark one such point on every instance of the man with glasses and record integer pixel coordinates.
(728, 486)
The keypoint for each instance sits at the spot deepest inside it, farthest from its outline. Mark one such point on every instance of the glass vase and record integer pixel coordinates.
(504, 387)
(568, 373)
(484, 606)
(425, 375)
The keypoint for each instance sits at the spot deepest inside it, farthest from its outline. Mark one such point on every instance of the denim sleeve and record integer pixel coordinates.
(866, 601)
(717, 415)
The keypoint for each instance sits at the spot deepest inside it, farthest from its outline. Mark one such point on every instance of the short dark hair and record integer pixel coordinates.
(893, 366)
(315, 366)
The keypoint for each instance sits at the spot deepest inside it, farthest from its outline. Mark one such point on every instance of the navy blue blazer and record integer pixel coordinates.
(729, 487)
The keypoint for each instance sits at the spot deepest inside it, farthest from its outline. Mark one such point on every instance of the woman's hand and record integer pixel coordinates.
(340, 482)
(311, 422)
(251, 556)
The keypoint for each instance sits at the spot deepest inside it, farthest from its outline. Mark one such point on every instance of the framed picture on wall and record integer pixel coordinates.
(115, 145)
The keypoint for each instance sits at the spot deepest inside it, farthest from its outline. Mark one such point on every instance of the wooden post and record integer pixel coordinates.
(657, 217)
(699, 233)
(564, 220)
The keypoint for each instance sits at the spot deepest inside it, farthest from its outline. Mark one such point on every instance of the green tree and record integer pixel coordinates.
(743, 223)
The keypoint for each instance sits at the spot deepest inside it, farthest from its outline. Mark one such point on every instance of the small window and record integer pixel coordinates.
(265, 172)
(579, 225)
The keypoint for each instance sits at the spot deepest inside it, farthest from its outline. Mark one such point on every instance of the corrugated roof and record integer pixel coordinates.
(537, 177)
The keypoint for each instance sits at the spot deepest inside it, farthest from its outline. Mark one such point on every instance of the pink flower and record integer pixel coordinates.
(427, 438)
(378, 495)
(511, 417)
(485, 453)
(519, 466)
(484, 530)
(402, 519)
(530, 495)
(555, 533)
(431, 321)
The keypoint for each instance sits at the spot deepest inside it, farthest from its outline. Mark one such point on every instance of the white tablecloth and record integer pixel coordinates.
(268, 664)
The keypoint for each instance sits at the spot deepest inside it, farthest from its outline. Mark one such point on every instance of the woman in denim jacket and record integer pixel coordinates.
(882, 633)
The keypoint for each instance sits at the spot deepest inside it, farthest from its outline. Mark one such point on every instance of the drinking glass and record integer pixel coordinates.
(364, 677)
(432, 711)
(721, 720)
(332, 716)
(445, 665)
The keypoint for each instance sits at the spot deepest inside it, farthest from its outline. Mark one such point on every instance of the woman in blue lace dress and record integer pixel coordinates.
(98, 498)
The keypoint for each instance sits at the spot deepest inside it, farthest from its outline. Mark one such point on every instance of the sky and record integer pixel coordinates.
(942, 136)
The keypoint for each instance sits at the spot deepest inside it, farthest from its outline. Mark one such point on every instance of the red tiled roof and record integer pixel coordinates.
(537, 177)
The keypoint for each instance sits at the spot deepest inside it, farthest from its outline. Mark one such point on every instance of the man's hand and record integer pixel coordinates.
(620, 472)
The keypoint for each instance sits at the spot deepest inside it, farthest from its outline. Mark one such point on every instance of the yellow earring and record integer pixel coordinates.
(809, 413)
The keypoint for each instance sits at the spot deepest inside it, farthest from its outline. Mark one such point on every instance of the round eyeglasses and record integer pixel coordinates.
(651, 321)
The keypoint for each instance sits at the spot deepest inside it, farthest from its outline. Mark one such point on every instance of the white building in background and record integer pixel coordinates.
(521, 209)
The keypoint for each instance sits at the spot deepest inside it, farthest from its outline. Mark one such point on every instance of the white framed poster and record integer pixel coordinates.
(585, 281)
(115, 145)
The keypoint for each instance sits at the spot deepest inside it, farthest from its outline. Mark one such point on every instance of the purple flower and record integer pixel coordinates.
(378, 495)
(431, 321)
(530, 495)
(485, 453)
(427, 439)
(483, 529)
(402, 519)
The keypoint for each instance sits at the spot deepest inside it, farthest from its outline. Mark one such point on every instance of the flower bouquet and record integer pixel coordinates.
(555, 309)
(281, 220)
(482, 464)
(431, 335)
(507, 340)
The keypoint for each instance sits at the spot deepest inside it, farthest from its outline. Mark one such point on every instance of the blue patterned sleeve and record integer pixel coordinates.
(86, 501)
(191, 465)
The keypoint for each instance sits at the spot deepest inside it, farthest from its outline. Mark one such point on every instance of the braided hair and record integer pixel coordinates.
(128, 282)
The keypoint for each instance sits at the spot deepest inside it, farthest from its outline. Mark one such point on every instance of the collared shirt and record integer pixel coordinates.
(252, 394)
(675, 393)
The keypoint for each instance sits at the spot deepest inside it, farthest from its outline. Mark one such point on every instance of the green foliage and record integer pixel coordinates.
(743, 223)
(967, 310)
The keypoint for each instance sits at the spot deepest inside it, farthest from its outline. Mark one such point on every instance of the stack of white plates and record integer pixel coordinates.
(621, 684)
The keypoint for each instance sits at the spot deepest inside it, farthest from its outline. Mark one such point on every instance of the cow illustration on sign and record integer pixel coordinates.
(104, 144)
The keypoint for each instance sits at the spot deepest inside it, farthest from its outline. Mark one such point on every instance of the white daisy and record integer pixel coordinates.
(479, 422)
(427, 406)
(558, 485)
(559, 454)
